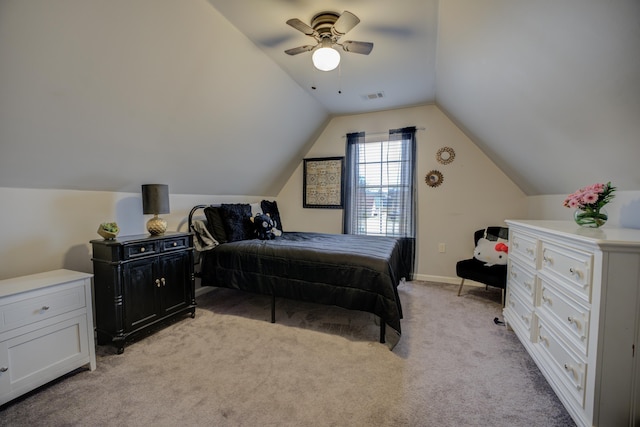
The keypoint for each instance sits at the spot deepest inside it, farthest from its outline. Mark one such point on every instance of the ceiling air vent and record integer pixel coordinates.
(375, 95)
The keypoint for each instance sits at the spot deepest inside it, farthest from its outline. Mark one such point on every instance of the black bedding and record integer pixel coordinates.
(350, 271)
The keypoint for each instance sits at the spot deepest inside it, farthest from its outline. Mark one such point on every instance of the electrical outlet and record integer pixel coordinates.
(442, 248)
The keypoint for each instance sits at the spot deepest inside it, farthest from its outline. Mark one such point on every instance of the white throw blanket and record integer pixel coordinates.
(203, 241)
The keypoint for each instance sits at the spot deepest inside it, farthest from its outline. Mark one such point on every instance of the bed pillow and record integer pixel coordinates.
(271, 208)
(215, 224)
(236, 218)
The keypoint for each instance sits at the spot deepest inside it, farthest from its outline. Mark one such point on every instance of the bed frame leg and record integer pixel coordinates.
(273, 309)
(383, 327)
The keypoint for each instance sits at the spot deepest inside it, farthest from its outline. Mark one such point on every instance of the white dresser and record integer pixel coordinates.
(573, 300)
(46, 329)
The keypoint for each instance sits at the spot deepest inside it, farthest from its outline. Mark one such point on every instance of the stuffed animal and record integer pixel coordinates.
(263, 226)
(491, 252)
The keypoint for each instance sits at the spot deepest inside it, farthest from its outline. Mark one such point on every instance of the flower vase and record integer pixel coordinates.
(590, 218)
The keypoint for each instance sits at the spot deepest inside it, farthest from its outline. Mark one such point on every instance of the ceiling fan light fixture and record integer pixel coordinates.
(325, 59)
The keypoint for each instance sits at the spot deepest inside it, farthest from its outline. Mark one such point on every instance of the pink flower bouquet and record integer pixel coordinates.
(590, 201)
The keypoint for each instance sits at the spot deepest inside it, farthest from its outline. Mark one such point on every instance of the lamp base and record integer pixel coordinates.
(156, 225)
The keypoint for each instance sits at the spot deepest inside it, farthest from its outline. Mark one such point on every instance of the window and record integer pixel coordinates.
(380, 185)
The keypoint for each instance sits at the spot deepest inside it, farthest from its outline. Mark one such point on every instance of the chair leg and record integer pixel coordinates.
(460, 288)
(502, 297)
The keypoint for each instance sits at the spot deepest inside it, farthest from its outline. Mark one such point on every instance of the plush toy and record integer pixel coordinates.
(491, 252)
(263, 226)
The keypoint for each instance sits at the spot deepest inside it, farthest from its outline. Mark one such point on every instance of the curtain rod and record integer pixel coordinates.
(379, 133)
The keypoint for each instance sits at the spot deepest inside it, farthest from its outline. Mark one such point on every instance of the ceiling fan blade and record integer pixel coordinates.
(345, 23)
(300, 49)
(364, 48)
(301, 26)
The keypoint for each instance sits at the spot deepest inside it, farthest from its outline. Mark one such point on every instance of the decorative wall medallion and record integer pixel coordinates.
(434, 178)
(445, 155)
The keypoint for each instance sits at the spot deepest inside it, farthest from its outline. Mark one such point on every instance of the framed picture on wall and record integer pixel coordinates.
(323, 183)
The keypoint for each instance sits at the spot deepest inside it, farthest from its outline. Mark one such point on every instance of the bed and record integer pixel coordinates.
(355, 272)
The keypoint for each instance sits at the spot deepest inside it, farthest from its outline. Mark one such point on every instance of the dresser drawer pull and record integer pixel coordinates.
(142, 249)
(547, 300)
(544, 340)
(575, 321)
(529, 285)
(158, 282)
(576, 272)
(574, 373)
(4, 369)
(547, 259)
(164, 282)
(514, 274)
(45, 308)
(516, 244)
(530, 251)
(526, 319)
(175, 244)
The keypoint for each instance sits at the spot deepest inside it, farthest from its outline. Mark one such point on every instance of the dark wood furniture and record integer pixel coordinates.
(140, 281)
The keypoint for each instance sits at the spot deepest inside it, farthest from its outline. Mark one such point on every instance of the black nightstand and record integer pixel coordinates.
(140, 281)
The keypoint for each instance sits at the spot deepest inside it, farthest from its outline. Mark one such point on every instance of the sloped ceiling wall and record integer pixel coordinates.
(549, 90)
(108, 95)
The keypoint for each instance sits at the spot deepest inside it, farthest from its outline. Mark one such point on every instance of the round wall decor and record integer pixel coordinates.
(434, 178)
(445, 155)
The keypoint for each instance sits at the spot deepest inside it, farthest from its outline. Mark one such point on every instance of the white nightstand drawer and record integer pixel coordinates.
(569, 368)
(25, 308)
(524, 246)
(573, 266)
(569, 315)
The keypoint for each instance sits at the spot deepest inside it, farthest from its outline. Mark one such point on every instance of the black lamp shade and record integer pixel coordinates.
(155, 199)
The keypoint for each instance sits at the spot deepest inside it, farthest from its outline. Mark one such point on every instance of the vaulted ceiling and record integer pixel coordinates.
(107, 95)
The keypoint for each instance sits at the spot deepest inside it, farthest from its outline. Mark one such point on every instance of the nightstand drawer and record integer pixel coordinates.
(175, 243)
(28, 309)
(573, 267)
(138, 250)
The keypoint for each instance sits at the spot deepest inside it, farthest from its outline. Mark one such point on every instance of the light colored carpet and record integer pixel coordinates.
(317, 366)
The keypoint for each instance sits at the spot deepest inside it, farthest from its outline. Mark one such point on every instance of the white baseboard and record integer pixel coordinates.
(446, 279)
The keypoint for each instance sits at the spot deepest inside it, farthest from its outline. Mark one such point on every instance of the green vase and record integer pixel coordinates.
(590, 218)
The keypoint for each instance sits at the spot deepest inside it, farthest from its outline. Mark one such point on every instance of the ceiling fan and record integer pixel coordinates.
(327, 28)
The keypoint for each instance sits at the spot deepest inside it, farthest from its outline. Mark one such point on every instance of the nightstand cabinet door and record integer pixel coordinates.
(175, 293)
(141, 296)
(140, 281)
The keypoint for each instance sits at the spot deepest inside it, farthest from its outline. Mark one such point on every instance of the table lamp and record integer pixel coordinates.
(155, 200)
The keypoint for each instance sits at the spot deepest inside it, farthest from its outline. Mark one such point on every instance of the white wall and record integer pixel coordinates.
(49, 229)
(624, 210)
(474, 193)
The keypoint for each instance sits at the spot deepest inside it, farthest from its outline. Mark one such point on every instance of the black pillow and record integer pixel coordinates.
(215, 224)
(236, 219)
(271, 208)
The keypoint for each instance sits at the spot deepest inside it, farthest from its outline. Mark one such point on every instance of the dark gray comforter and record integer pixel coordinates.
(350, 271)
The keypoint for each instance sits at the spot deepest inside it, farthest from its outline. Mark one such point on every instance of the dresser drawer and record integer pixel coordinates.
(567, 366)
(524, 246)
(141, 249)
(175, 243)
(569, 315)
(522, 280)
(27, 309)
(572, 266)
(521, 312)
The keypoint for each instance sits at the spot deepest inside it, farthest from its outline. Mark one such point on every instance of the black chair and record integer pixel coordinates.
(473, 269)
